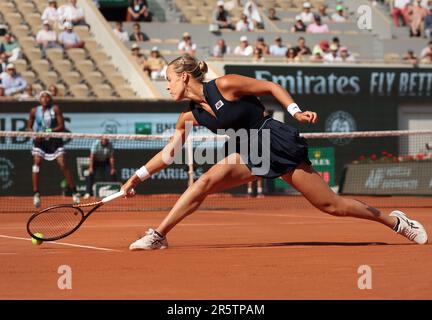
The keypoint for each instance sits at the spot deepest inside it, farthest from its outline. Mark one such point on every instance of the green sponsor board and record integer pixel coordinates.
(105, 189)
(323, 161)
(143, 128)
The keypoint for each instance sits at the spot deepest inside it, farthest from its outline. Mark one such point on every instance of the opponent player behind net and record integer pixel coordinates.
(230, 102)
(47, 117)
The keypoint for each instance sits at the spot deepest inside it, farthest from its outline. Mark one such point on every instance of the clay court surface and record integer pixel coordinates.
(268, 251)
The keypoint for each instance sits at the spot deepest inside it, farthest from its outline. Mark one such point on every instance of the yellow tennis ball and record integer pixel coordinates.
(37, 242)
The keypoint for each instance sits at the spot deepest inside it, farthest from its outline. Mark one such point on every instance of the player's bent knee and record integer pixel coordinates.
(204, 183)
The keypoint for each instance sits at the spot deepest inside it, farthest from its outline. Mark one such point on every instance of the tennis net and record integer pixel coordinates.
(386, 168)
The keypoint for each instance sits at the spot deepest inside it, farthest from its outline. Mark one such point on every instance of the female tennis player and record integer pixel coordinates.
(230, 102)
(48, 118)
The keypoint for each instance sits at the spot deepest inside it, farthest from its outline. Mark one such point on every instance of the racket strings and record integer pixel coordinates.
(56, 222)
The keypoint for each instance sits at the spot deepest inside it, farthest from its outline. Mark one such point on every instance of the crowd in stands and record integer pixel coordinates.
(414, 14)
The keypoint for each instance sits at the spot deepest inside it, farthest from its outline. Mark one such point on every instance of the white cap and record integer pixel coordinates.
(220, 3)
(45, 22)
(154, 49)
(298, 17)
(10, 66)
(68, 25)
(306, 5)
(243, 38)
(135, 46)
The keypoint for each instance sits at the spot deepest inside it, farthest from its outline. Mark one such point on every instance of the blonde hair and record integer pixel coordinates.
(187, 63)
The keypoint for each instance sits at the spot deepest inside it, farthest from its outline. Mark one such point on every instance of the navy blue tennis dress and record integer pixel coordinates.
(286, 149)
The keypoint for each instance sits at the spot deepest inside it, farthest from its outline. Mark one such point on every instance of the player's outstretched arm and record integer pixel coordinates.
(235, 86)
(166, 156)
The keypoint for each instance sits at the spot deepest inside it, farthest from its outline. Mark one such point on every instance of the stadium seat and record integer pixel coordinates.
(90, 44)
(34, 20)
(54, 54)
(25, 7)
(28, 42)
(40, 66)
(126, 92)
(20, 65)
(62, 66)
(6, 8)
(84, 66)
(107, 68)
(48, 77)
(76, 54)
(13, 18)
(29, 76)
(94, 78)
(79, 90)
(32, 53)
(71, 78)
(102, 91)
(82, 32)
(21, 31)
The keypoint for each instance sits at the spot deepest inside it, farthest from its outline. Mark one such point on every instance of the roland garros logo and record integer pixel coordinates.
(6, 168)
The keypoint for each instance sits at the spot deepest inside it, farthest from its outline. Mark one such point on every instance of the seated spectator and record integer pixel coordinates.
(278, 49)
(253, 15)
(138, 11)
(410, 57)
(419, 13)
(336, 42)
(155, 65)
(12, 82)
(221, 49)
(244, 24)
(221, 17)
(3, 62)
(244, 49)
(186, 45)
(260, 43)
(301, 49)
(322, 48)
(272, 15)
(10, 48)
(28, 94)
(339, 15)
(50, 13)
(72, 13)
(137, 35)
(53, 90)
(344, 55)
(299, 25)
(316, 56)
(317, 26)
(69, 39)
(138, 56)
(291, 55)
(426, 54)
(46, 37)
(101, 159)
(400, 10)
(428, 24)
(307, 16)
(332, 55)
(258, 55)
(121, 34)
(325, 17)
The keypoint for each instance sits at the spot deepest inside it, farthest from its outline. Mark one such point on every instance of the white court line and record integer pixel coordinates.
(63, 244)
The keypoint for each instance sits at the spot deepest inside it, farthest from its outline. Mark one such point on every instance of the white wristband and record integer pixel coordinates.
(142, 173)
(293, 108)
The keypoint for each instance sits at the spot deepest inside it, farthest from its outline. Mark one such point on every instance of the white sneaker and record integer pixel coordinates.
(87, 195)
(76, 198)
(36, 200)
(150, 241)
(411, 229)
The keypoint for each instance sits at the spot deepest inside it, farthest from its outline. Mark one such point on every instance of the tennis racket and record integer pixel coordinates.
(61, 220)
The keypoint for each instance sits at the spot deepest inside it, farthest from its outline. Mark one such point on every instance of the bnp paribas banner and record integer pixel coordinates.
(344, 81)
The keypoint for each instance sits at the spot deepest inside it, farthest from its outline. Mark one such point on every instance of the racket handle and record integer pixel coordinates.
(114, 196)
